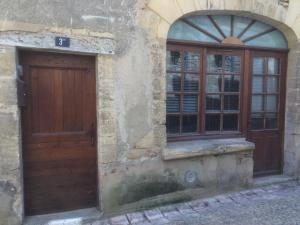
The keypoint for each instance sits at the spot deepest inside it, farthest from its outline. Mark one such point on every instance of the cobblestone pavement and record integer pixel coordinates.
(271, 205)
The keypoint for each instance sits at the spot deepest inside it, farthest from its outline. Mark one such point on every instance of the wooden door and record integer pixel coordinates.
(59, 132)
(266, 116)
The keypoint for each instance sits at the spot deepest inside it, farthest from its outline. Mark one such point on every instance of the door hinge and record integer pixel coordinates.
(21, 87)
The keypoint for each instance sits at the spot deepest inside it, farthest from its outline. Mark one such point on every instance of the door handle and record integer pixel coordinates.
(93, 134)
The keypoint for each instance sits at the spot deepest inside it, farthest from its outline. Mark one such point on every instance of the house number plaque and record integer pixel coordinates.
(62, 42)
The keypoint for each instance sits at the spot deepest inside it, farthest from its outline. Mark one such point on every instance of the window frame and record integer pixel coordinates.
(223, 52)
(182, 92)
(281, 90)
(246, 53)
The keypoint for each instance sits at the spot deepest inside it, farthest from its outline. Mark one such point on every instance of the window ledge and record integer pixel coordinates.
(188, 149)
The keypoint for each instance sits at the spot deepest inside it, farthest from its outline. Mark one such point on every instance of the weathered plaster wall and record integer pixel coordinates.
(131, 91)
(143, 184)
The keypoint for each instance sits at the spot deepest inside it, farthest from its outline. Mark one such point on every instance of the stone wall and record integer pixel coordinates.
(129, 39)
(10, 157)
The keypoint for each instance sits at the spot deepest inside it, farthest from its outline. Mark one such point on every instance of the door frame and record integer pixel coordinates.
(281, 101)
(20, 73)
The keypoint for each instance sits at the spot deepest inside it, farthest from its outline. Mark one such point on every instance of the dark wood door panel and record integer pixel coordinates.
(59, 150)
(44, 155)
(54, 60)
(267, 154)
(60, 101)
(78, 200)
(56, 182)
(48, 166)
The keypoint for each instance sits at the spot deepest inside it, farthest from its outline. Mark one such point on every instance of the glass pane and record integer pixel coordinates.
(231, 83)
(257, 84)
(224, 23)
(273, 66)
(189, 123)
(213, 103)
(172, 124)
(190, 103)
(257, 103)
(232, 64)
(272, 84)
(182, 31)
(192, 61)
(271, 121)
(271, 103)
(257, 121)
(230, 122)
(213, 83)
(173, 61)
(274, 39)
(206, 24)
(258, 66)
(255, 29)
(212, 123)
(214, 63)
(173, 82)
(173, 103)
(231, 102)
(240, 23)
(191, 82)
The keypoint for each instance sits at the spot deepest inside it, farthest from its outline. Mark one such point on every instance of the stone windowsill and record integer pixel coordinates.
(188, 149)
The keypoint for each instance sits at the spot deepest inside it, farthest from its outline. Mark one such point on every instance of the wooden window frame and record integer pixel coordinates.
(181, 93)
(246, 53)
(223, 52)
(281, 93)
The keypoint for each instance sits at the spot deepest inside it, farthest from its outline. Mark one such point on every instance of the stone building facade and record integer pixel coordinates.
(137, 167)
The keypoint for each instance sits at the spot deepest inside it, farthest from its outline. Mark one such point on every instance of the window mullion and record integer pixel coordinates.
(265, 89)
(222, 94)
(181, 92)
(202, 113)
(199, 128)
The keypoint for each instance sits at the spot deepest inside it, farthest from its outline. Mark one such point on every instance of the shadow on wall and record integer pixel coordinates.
(154, 189)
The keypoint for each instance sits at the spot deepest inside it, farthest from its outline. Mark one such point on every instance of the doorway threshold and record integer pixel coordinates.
(75, 217)
(269, 180)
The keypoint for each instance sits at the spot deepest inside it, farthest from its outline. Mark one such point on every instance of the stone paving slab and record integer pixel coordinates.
(153, 214)
(119, 220)
(135, 218)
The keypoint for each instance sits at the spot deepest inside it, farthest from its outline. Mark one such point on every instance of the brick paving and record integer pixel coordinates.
(271, 205)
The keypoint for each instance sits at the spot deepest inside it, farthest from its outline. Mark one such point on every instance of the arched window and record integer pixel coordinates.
(226, 78)
(227, 29)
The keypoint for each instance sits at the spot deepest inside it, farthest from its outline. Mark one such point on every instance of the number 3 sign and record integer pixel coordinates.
(62, 42)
